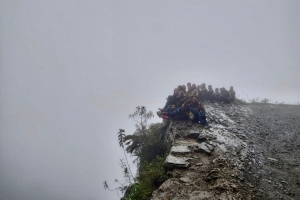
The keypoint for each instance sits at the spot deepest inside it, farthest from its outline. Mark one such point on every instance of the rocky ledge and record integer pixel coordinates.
(250, 151)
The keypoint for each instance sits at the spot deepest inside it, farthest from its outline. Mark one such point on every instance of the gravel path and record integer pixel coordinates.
(274, 132)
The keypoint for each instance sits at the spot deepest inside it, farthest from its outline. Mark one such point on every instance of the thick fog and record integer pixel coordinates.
(72, 71)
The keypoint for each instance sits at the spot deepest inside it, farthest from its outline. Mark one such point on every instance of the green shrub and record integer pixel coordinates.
(151, 173)
(151, 176)
(152, 146)
(150, 151)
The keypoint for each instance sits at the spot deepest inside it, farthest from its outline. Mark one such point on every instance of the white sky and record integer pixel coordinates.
(72, 71)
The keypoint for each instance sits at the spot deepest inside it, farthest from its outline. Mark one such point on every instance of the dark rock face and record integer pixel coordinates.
(250, 152)
(193, 134)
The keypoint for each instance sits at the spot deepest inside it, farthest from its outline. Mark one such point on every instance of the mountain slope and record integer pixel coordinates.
(251, 151)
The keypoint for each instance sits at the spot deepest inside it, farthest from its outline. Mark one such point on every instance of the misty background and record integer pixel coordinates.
(72, 71)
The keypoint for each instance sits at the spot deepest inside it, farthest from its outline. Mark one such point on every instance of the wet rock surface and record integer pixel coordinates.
(250, 152)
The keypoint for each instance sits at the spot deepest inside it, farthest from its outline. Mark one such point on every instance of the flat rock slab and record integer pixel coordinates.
(174, 162)
(184, 143)
(202, 148)
(176, 150)
(185, 179)
(273, 160)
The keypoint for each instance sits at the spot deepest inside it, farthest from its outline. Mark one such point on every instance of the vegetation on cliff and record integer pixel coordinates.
(150, 154)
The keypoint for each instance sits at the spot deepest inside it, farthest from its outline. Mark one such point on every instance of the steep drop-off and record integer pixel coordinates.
(250, 151)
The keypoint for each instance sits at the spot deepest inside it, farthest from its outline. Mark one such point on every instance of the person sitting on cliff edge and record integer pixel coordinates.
(232, 94)
(197, 110)
(224, 95)
(171, 98)
(167, 107)
(204, 91)
(217, 95)
(175, 110)
(210, 94)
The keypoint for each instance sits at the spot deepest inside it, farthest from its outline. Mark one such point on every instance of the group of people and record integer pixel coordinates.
(184, 103)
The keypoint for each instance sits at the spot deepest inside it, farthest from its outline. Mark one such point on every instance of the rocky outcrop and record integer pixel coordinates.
(236, 157)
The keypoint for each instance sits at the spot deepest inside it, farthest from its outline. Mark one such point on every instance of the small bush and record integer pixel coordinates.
(241, 101)
(265, 100)
(254, 100)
